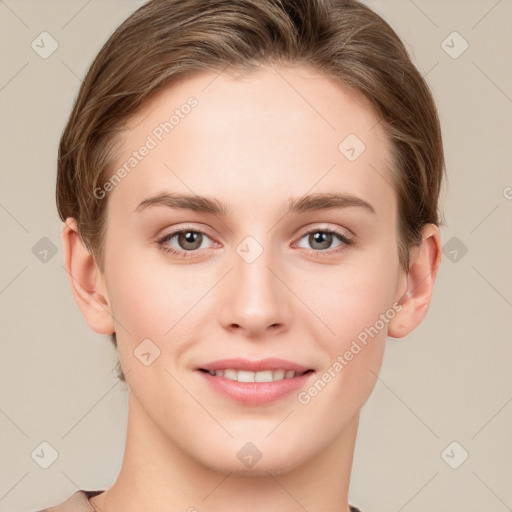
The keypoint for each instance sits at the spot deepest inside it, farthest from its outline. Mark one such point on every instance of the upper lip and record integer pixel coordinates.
(270, 363)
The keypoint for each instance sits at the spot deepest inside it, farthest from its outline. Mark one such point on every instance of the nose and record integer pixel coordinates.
(254, 300)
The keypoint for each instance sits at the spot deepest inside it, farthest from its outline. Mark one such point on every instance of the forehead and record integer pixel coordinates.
(268, 133)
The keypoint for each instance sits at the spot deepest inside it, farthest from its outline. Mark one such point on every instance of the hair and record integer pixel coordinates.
(167, 40)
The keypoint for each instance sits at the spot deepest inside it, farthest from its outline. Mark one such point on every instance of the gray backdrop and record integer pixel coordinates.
(444, 392)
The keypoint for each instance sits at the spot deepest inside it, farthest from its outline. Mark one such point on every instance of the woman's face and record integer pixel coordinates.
(258, 223)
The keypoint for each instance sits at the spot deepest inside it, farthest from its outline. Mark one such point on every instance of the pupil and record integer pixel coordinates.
(324, 239)
(189, 237)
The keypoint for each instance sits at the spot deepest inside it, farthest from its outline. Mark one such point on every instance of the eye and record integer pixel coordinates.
(321, 240)
(186, 242)
(183, 242)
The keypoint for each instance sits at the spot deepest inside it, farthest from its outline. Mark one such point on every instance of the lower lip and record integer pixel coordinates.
(256, 393)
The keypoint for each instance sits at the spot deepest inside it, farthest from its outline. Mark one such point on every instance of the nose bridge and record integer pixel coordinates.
(254, 299)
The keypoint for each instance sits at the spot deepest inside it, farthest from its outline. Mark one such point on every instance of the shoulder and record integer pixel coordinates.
(77, 502)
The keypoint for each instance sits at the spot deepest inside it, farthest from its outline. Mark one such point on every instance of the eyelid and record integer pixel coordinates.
(345, 239)
(164, 237)
(185, 227)
(313, 228)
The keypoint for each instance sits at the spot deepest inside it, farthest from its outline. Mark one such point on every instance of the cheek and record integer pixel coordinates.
(355, 311)
(154, 301)
(349, 299)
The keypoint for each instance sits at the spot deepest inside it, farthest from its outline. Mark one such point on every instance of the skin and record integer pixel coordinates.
(253, 143)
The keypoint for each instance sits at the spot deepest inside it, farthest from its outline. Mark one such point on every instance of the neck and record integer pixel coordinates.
(157, 472)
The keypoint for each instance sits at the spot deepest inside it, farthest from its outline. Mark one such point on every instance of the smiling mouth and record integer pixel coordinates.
(250, 376)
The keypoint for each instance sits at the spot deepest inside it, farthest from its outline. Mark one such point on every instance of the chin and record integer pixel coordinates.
(254, 458)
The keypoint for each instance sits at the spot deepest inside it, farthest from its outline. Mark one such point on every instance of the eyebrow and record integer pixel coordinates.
(306, 203)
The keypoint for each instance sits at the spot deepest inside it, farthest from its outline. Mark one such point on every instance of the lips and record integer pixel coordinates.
(249, 376)
(255, 382)
(271, 363)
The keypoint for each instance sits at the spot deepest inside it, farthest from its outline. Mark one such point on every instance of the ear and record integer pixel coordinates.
(418, 282)
(86, 280)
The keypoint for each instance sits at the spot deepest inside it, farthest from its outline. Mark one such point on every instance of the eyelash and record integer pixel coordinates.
(169, 236)
(191, 254)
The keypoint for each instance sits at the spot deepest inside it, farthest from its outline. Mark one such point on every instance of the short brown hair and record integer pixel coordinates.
(165, 40)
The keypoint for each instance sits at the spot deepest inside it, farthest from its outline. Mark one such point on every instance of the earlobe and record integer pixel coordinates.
(86, 280)
(420, 279)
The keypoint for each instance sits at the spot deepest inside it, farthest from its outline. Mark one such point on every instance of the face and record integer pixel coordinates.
(255, 227)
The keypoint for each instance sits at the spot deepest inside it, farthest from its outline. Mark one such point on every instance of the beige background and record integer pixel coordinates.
(450, 380)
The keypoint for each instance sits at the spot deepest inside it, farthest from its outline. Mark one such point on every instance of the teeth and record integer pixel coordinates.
(248, 376)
